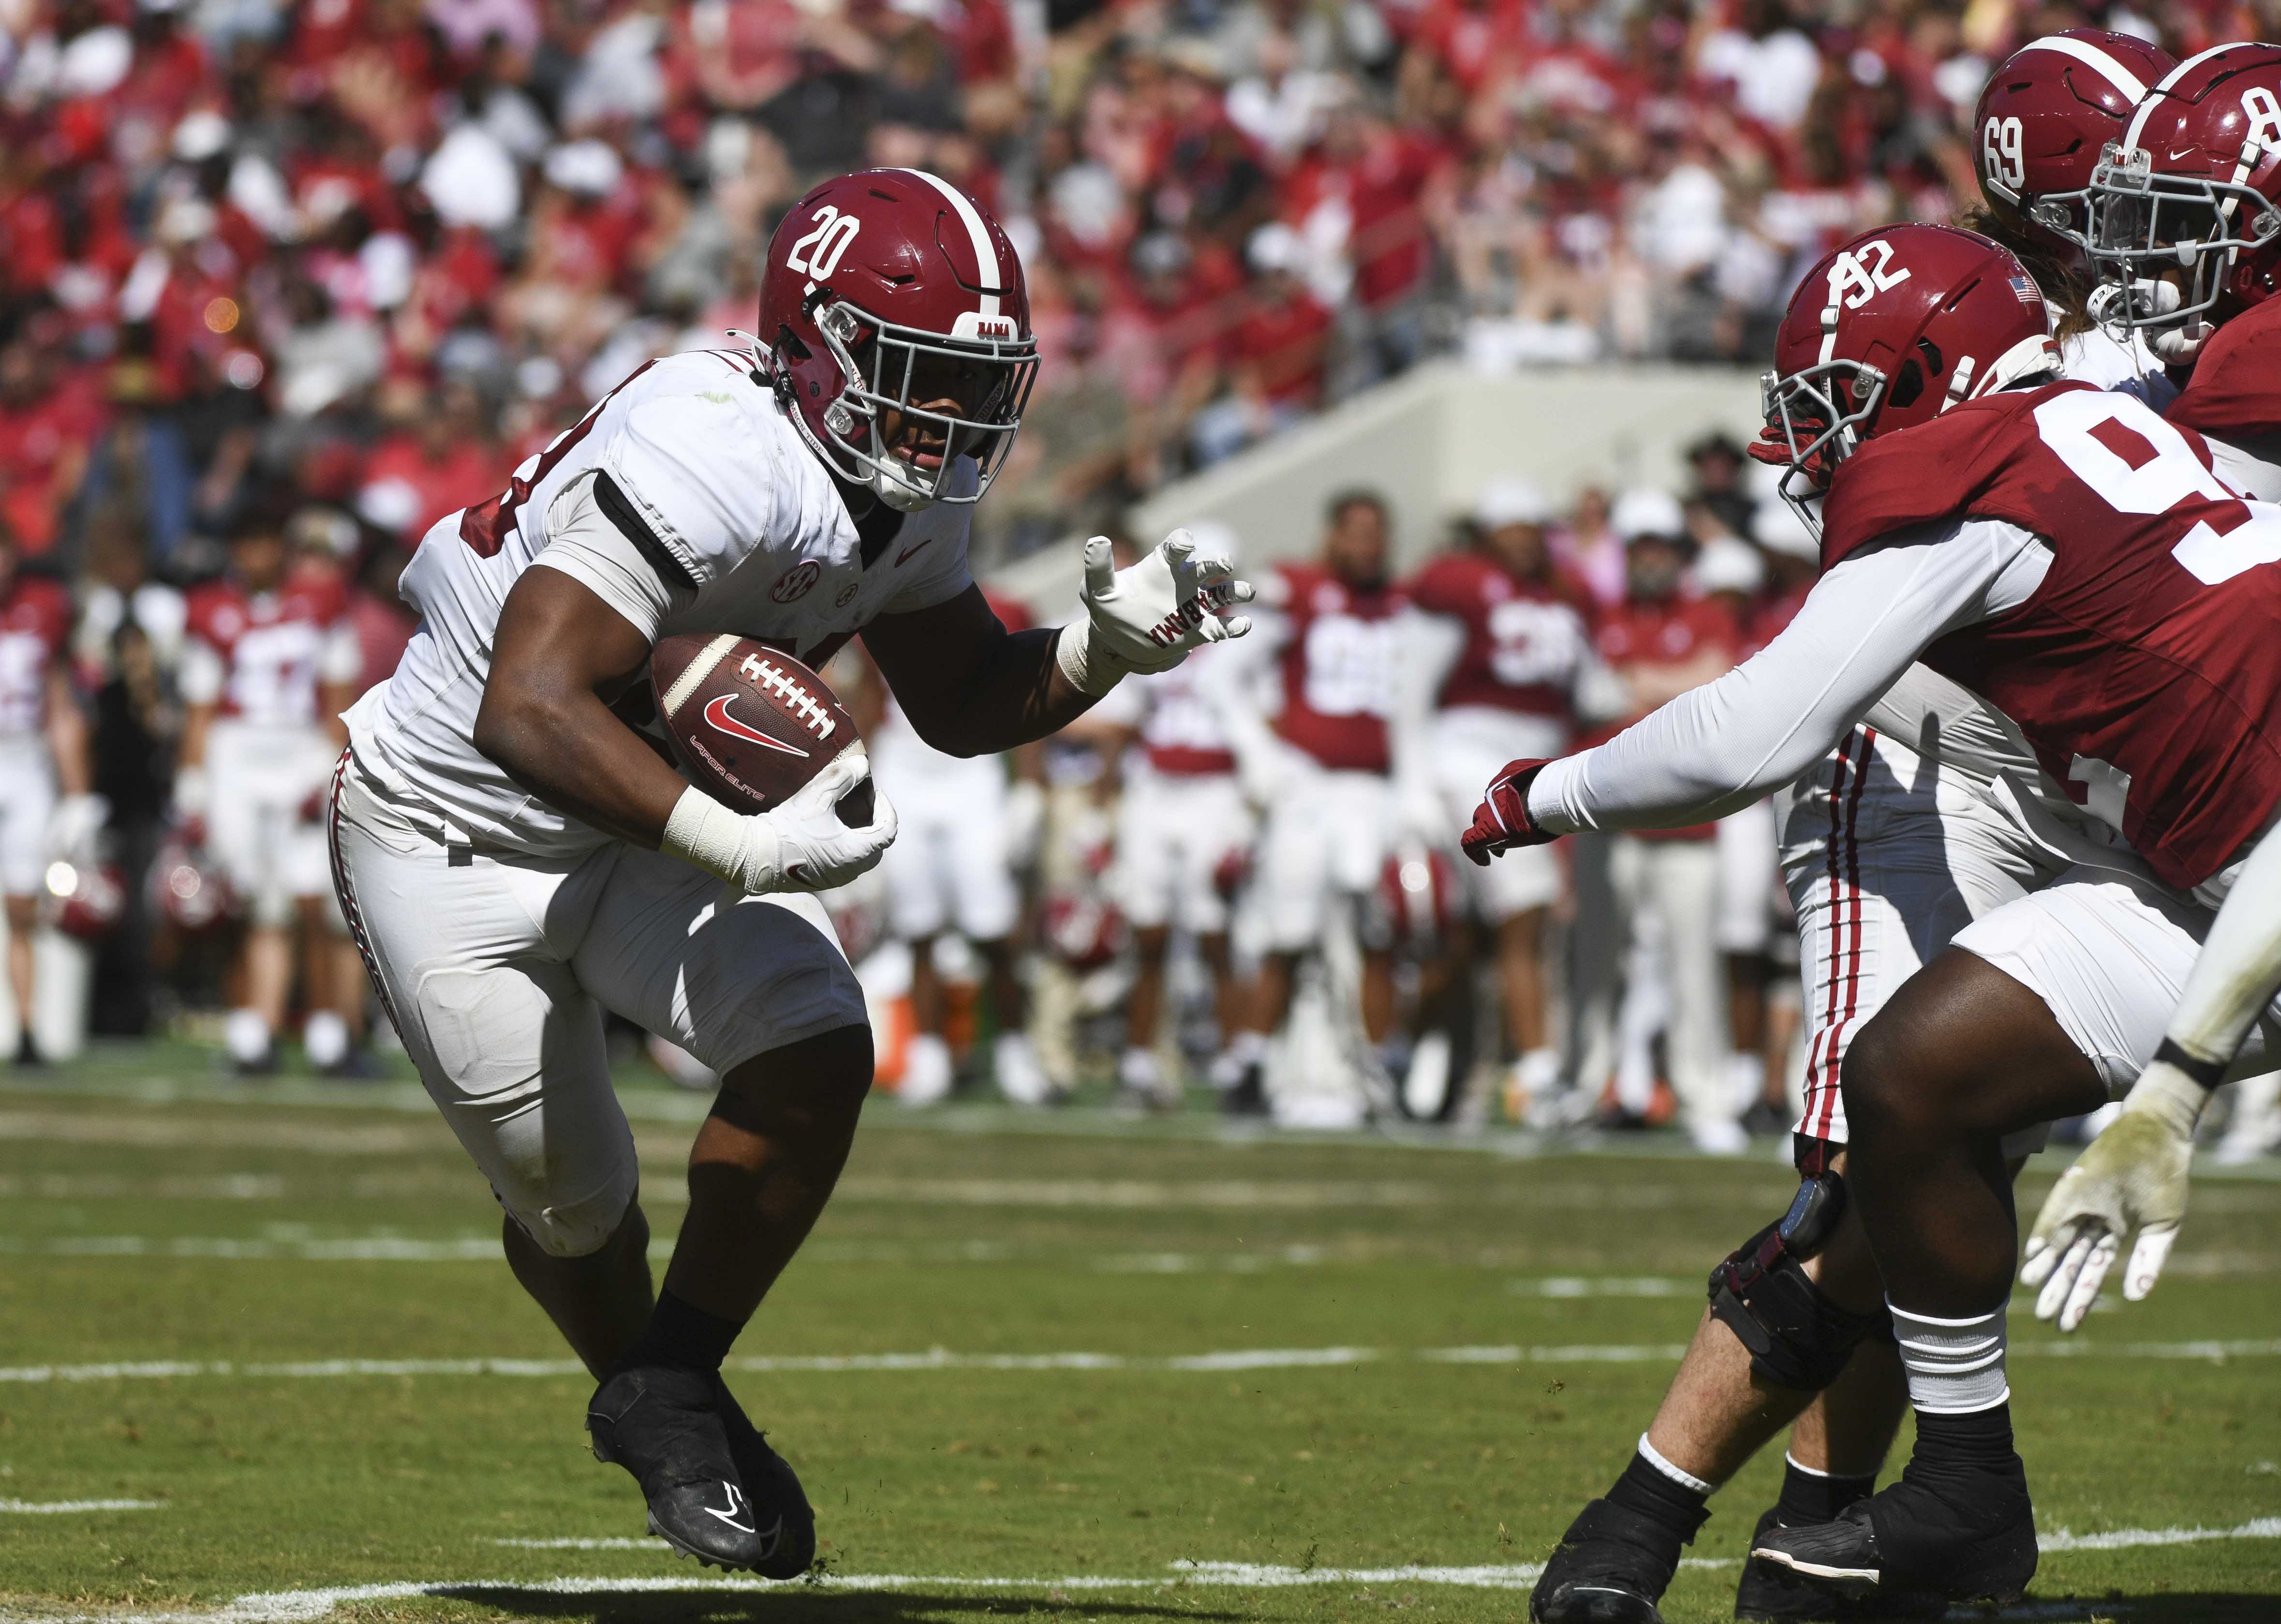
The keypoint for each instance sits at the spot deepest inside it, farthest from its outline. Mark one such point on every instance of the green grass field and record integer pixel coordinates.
(1059, 1368)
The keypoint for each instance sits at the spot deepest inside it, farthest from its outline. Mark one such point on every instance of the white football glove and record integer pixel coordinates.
(799, 846)
(74, 825)
(2131, 1176)
(1146, 618)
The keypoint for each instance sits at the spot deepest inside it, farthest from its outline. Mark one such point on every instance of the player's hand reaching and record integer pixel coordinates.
(1148, 618)
(1501, 821)
(2131, 1176)
(802, 845)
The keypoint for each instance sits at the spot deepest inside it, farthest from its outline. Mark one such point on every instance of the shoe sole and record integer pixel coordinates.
(1632, 1614)
(702, 1558)
(1855, 1583)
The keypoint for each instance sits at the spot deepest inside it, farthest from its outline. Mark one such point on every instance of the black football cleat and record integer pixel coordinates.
(667, 1428)
(1605, 1569)
(1772, 1593)
(781, 1512)
(1908, 1538)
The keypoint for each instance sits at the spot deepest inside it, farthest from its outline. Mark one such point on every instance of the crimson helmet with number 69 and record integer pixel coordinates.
(2046, 114)
(1890, 331)
(2186, 204)
(895, 322)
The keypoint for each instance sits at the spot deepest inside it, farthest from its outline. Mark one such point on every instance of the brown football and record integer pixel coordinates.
(749, 725)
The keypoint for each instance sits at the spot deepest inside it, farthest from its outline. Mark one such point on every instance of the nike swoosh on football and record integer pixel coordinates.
(729, 1516)
(717, 714)
(915, 548)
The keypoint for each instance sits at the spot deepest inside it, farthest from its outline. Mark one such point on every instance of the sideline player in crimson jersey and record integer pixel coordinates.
(270, 663)
(43, 749)
(1317, 768)
(1492, 663)
(2071, 557)
(514, 857)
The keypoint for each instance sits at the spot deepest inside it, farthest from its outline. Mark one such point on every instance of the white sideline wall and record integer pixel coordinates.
(1429, 440)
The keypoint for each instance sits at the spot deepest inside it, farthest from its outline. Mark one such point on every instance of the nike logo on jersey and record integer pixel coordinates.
(914, 547)
(717, 714)
(729, 1514)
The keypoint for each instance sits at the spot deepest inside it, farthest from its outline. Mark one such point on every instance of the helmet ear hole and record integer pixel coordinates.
(1908, 383)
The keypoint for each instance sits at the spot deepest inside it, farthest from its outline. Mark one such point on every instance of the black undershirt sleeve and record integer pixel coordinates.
(630, 524)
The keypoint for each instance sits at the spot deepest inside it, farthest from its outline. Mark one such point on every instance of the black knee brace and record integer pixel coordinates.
(1798, 1337)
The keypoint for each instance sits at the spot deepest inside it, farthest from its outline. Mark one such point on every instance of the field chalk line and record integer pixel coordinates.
(304, 1606)
(944, 1359)
(37, 1508)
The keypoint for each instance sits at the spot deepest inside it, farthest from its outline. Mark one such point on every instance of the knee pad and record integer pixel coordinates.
(576, 1229)
(1797, 1338)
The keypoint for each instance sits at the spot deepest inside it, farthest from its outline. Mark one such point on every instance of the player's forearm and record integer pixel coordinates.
(68, 740)
(1014, 693)
(2238, 970)
(565, 748)
(191, 748)
(332, 699)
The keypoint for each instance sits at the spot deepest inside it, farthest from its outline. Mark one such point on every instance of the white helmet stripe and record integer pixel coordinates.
(986, 253)
(2147, 103)
(2091, 57)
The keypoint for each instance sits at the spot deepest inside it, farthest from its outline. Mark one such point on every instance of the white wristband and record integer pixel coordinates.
(2168, 1094)
(703, 831)
(1090, 668)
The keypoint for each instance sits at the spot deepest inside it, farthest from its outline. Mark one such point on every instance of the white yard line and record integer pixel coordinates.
(944, 1359)
(305, 1606)
(48, 1508)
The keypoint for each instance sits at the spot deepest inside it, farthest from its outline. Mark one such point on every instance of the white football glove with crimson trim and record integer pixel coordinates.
(1501, 821)
(1148, 617)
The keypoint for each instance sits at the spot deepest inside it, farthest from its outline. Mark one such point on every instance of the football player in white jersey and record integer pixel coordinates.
(514, 857)
(43, 749)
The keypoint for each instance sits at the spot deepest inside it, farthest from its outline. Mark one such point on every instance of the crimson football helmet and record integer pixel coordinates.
(1417, 896)
(2185, 206)
(2044, 116)
(84, 898)
(890, 294)
(1890, 331)
(189, 889)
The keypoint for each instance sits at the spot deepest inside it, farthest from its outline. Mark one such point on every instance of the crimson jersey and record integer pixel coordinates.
(2236, 387)
(1525, 640)
(2145, 670)
(34, 619)
(1338, 666)
(273, 646)
(1673, 631)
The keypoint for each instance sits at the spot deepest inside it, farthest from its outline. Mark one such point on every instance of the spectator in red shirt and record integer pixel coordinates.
(445, 461)
(1276, 352)
(49, 419)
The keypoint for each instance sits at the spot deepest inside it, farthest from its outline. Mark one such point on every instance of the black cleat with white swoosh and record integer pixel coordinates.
(668, 1426)
(786, 1522)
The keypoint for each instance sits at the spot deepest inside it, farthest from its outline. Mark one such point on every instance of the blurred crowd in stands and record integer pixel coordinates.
(383, 248)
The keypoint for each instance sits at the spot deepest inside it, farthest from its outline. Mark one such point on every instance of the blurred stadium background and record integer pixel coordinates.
(334, 267)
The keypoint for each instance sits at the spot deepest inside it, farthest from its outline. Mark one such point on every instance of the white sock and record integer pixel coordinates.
(1955, 1366)
(1137, 1068)
(245, 1036)
(325, 1036)
(1537, 1071)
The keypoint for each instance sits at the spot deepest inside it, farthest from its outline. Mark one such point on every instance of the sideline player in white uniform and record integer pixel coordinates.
(952, 867)
(514, 857)
(43, 749)
(1183, 830)
(269, 663)
(1496, 648)
(1932, 812)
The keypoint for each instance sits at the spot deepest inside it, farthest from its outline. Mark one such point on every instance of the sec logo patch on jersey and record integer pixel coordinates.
(797, 582)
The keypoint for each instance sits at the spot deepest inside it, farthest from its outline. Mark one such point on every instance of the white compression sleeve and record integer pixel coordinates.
(1719, 747)
(2238, 970)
